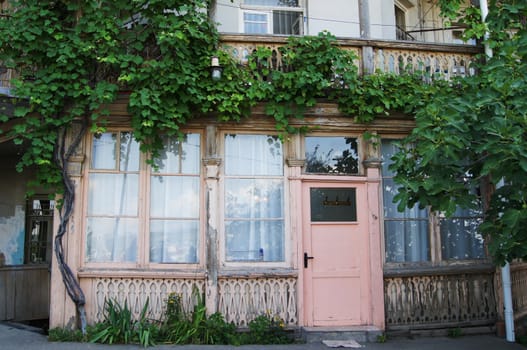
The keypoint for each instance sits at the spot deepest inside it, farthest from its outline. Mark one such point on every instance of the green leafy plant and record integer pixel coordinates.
(455, 332)
(267, 329)
(66, 335)
(382, 338)
(120, 327)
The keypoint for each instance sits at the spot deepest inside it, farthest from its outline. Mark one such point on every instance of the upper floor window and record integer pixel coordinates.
(331, 155)
(272, 17)
(254, 198)
(132, 207)
(417, 235)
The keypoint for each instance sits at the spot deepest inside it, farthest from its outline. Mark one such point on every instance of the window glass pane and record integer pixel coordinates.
(287, 22)
(113, 194)
(179, 156)
(40, 230)
(174, 196)
(129, 152)
(174, 241)
(288, 3)
(390, 208)
(331, 155)
(111, 240)
(333, 204)
(254, 225)
(255, 240)
(104, 151)
(406, 234)
(253, 198)
(253, 155)
(255, 23)
(460, 238)
(406, 240)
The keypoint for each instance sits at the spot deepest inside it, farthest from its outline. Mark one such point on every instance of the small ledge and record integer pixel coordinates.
(141, 273)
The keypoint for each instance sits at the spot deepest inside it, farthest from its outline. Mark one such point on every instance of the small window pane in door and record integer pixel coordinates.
(333, 204)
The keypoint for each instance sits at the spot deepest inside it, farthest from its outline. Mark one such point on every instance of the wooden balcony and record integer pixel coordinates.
(439, 60)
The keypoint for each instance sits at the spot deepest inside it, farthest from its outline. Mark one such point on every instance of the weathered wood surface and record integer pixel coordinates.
(451, 299)
(24, 292)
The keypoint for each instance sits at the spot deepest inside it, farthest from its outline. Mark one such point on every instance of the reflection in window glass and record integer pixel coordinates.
(331, 155)
(253, 155)
(460, 237)
(104, 151)
(254, 198)
(179, 156)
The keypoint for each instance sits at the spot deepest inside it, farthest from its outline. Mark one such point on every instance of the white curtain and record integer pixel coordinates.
(254, 224)
(113, 195)
(174, 202)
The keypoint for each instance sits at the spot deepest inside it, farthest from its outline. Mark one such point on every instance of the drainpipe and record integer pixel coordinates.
(507, 302)
(508, 312)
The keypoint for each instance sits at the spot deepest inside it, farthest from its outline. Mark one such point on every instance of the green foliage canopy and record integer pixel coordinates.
(474, 137)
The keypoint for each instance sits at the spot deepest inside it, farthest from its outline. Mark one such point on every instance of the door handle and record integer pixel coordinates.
(306, 259)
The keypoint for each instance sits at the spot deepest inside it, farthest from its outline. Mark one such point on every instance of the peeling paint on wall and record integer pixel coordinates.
(12, 237)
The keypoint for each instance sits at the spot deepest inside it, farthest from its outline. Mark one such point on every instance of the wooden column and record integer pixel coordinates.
(212, 163)
(365, 33)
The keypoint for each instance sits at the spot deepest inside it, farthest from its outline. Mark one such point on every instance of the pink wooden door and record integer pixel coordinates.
(335, 259)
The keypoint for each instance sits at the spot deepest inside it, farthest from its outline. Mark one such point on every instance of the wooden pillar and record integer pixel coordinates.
(63, 312)
(212, 163)
(365, 33)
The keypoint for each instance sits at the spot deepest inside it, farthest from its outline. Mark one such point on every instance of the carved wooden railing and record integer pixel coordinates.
(137, 291)
(242, 299)
(449, 299)
(437, 60)
(519, 289)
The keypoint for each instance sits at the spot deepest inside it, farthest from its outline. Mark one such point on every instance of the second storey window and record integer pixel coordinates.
(254, 198)
(283, 17)
(138, 214)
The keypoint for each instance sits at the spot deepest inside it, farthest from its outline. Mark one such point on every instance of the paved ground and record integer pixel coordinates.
(15, 337)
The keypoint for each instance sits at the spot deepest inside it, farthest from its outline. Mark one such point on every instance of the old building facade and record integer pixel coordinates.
(303, 228)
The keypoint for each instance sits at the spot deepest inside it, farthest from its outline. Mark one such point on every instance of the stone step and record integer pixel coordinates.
(361, 334)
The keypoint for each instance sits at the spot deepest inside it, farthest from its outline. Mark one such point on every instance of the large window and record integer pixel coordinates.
(254, 198)
(411, 235)
(272, 17)
(119, 216)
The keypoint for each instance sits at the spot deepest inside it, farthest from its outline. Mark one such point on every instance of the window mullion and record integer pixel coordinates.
(144, 212)
(435, 238)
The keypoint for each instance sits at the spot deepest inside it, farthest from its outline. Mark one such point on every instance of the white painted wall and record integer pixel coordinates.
(340, 17)
(228, 16)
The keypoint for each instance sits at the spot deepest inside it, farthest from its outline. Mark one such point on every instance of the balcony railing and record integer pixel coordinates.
(442, 61)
